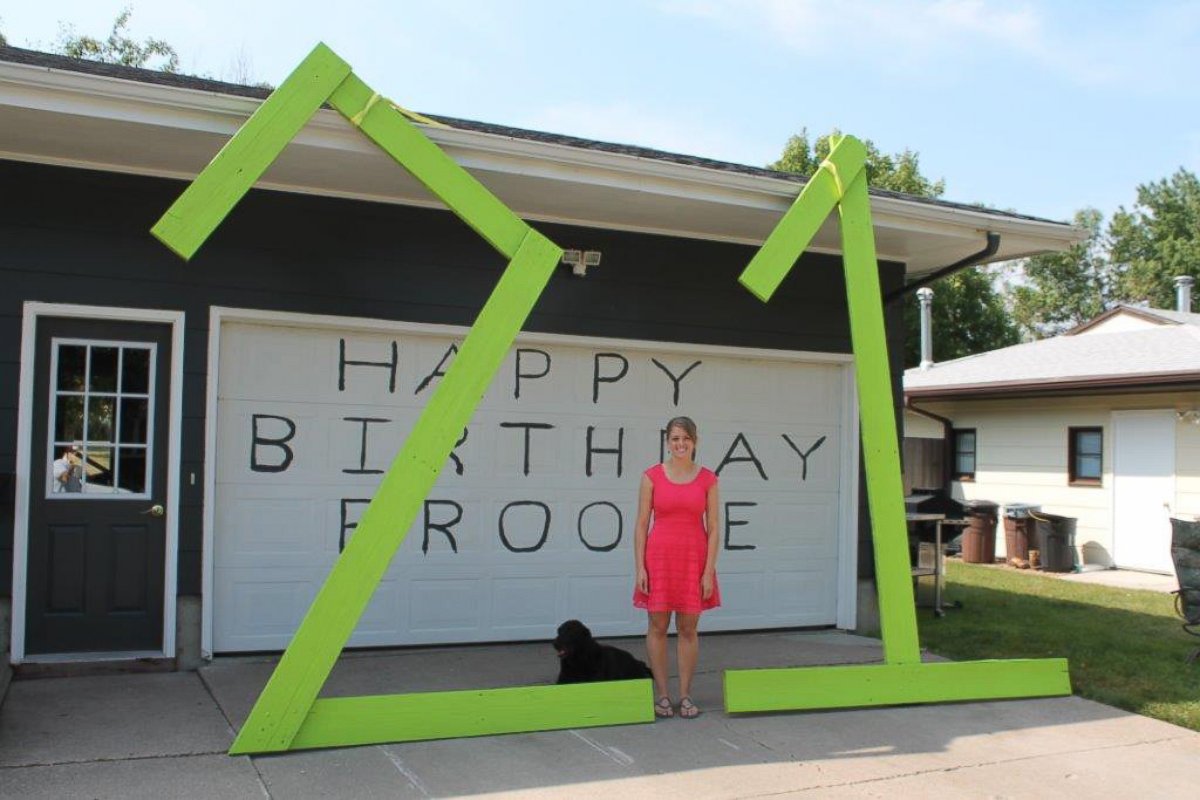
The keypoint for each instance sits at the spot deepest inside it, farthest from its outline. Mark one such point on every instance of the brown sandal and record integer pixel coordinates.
(688, 709)
(663, 707)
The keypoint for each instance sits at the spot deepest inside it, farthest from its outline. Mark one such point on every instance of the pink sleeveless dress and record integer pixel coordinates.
(677, 549)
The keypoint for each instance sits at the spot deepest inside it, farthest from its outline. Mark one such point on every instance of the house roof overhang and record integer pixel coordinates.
(1089, 385)
(61, 116)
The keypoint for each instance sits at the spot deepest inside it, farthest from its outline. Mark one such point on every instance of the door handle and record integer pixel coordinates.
(155, 510)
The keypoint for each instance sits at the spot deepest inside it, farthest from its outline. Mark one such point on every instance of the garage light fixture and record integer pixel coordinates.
(580, 260)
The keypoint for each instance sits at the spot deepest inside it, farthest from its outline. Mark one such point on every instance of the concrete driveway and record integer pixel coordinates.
(165, 735)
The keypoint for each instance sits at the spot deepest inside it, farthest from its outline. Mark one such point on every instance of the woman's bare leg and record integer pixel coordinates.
(689, 650)
(656, 649)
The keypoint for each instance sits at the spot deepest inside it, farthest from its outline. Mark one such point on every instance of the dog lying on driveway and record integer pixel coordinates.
(582, 659)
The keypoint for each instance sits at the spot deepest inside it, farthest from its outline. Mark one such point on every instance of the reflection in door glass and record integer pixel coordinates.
(135, 371)
(132, 469)
(103, 370)
(68, 425)
(100, 397)
(134, 419)
(72, 367)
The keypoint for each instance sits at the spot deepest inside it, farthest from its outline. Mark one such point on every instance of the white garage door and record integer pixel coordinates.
(531, 521)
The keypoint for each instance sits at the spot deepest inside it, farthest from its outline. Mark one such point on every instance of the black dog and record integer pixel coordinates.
(582, 659)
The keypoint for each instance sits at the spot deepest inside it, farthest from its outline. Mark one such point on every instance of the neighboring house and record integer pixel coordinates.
(1101, 423)
(235, 412)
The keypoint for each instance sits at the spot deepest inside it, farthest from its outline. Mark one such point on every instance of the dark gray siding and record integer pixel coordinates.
(76, 236)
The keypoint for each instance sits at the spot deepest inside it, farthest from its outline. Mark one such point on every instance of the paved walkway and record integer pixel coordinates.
(1122, 578)
(165, 735)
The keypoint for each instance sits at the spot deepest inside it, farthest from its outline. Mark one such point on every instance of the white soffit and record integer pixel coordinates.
(98, 122)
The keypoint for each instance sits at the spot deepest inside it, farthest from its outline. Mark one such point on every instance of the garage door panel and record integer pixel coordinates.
(802, 594)
(446, 605)
(259, 609)
(743, 601)
(526, 606)
(278, 530)
(270, 531)
(604, 602)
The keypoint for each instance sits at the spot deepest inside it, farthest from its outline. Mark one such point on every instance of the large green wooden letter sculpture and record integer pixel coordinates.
(288, 714)
(841, 182)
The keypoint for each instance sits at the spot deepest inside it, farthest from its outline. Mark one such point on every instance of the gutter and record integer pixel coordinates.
(947, 438)
(989, 250)
(1108, 384)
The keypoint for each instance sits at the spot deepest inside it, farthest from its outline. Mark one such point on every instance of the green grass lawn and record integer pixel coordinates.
(1125, 646)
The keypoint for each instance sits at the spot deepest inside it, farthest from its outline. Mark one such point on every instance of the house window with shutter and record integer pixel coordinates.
(964, 454)
(1085, 456)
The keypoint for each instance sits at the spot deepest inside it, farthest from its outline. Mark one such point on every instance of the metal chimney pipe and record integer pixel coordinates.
(925, 298)
(1183, 293)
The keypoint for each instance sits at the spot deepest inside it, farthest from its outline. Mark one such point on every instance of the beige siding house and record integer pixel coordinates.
(1101, 423)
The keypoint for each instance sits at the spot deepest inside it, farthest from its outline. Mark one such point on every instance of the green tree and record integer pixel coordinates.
(968, 314)
(118, 48)
(1157, 240)
(899, 173)
(968, 317)
(1058, 291)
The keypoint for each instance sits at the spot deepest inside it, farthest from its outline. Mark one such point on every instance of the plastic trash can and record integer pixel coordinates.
(1019, 531)
(1056, 540)
(979, 539)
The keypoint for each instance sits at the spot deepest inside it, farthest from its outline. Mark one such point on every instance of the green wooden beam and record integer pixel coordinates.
(281, 709)
(338, 722)
(809, 688)
(877, 422)
(823, 191)
(841, 182)
(387, 126)
(193, 217)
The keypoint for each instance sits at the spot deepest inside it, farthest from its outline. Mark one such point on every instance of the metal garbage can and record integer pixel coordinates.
(979, 539)
(1019, 531)
(1056, 541)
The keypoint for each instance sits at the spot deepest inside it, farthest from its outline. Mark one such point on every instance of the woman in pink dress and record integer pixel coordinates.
(676, 560)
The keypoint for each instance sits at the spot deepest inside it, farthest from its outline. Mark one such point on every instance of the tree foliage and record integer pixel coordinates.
(1135, 260)
(1058, 291)
(969, 316)
(119, 47)
(900, 172)
(1157, 240)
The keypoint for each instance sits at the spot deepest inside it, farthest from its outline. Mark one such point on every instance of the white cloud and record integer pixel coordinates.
(1140, 49)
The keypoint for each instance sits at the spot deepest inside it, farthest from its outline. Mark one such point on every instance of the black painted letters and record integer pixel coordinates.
(731, 523)
(280, 441)
(344, 362)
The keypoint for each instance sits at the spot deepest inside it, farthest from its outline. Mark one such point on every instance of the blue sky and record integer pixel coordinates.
(1042, 108)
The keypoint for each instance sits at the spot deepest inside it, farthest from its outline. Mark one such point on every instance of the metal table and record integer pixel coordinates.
(936, 571)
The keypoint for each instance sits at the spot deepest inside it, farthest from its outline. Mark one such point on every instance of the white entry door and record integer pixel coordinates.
(1143, 487)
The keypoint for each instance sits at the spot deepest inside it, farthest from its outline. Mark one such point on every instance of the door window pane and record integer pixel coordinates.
(135, 371)
(103, 369)
(101, 422)
(131, 470)
(68, 419)
(98, 469)
(135, 416)
(101, 397)
(72, 368)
